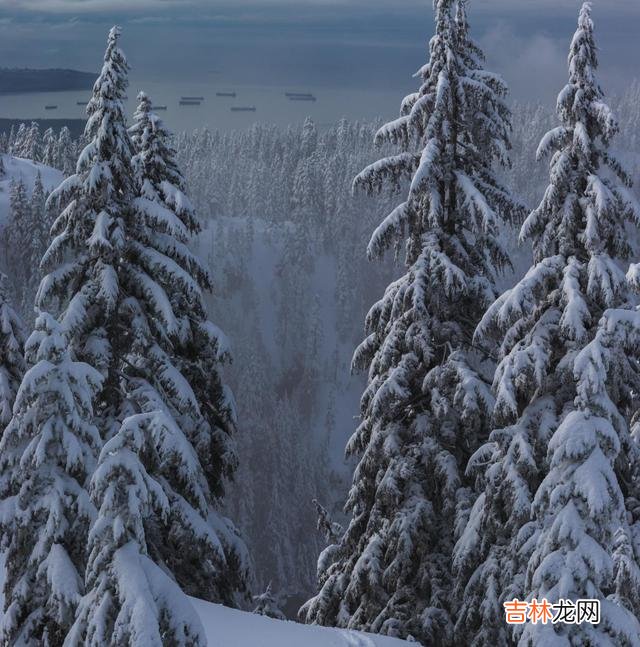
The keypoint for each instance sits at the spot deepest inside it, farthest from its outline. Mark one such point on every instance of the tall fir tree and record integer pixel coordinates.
(427, 399)
(65, 152)
(46, 455)
(12, 363)
(160, 478)
(36, 243)
(52, 442)
(557, 516)
(199, 400)
(17, 236)
(49, 148)
(31, 145)
(82, 287)
(16, 139)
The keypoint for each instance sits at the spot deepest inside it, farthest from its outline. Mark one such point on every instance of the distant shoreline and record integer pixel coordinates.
(31, 81)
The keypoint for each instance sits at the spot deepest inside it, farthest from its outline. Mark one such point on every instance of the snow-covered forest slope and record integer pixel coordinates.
(225, 627)
(285, 240)
(27, 171)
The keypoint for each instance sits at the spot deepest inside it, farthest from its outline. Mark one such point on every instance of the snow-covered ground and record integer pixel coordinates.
(231, 628)
(226, 627)
(17, 168)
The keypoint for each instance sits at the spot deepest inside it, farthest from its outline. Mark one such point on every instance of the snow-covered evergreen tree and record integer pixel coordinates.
(12, 364)
(426, 402)
(40, 225)
(46, 454)
(331, 530)
(25, 238)
(557, 513)
(160, 477)
(17, 139)
(49, 148)
(125, 286)
(82, 287)
(65, 152)
(267, 605)
(36, 243)
(130, 599)
(17, 236)
(179, 353)
(309, 140)
(11, 140)
(30, 147)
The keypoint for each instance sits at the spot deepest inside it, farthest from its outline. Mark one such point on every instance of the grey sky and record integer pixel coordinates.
(372, 44)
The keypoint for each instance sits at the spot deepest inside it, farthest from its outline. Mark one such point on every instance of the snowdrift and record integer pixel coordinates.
(231, 628)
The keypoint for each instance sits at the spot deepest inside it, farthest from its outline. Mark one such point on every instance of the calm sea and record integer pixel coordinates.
(271, 104)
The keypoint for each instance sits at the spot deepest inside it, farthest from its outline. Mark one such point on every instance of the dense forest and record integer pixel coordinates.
(492, 393)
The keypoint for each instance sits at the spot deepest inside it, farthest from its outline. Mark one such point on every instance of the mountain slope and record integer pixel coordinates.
(232, 628)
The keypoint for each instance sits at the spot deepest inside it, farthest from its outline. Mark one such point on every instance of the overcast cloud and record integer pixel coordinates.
(369, 44)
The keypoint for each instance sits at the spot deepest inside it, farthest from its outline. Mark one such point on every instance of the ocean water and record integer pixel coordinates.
(272, 106)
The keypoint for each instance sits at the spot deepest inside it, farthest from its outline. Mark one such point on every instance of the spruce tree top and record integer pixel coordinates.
(82, 286)
(586, 204)
(450, 133)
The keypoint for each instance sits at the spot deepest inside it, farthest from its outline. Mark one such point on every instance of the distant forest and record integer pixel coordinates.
(16, 81)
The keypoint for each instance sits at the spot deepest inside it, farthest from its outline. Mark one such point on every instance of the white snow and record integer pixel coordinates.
(226, 627)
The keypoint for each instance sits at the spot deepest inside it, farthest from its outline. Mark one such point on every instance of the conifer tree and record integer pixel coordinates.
(309, 141)
(191, 386)
(556, 515)
(17, 235)
(160, 477)
(49, 148)
(12, 364)
(426, 401)
(17, 139)
(31, 144)
(267, 605)
(130, 599)
(11, 140)
(40, 224)
(35, 245)
(65, 152)
(82, 287)
(46, 454)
